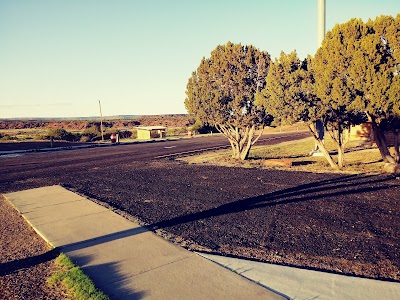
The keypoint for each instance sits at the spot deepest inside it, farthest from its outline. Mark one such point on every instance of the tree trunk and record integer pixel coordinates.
(396, 136)
(235, 138)
(341, 156)
(240, 139)
(234, 146)
(249, 142)
(322, 147)
(381, 142)
(339, 139)
(340, 146)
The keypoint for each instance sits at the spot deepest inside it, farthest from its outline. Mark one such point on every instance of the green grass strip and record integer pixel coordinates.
(74, 280)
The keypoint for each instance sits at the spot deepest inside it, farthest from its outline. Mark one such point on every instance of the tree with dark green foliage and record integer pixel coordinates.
(221, 93)
(334, 85)
(91, 133)
(356, 70)
(289, 96)
(62, 134)
(376, 76)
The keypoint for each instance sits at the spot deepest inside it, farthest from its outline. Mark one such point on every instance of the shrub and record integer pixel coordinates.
(62, 134)
(124, 134)
(203, 128)
(177, 131)
(7, 137)
(39, 137)
(107, 136)
(85, 139)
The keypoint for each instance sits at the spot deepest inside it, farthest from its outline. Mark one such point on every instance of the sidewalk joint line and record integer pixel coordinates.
(67, 219)
(55, 204)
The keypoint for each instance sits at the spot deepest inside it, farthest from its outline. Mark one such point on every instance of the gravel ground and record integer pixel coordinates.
(25, 259)
(345, 224)
(348, 224)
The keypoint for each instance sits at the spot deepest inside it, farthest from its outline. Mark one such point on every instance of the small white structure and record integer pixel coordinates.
(151, 132)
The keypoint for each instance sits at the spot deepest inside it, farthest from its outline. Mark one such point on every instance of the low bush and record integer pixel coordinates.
(62, 134)
(177, 131)
(85, 139)
(39, 137)
(106, 135)
(91, 134)
(7, 137)
(124, 134)
(203, 128)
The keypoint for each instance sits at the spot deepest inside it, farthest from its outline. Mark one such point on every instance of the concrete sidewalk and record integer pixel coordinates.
(124, 259)
(302, 284)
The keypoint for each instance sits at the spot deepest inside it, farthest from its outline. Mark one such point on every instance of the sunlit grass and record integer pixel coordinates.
(358, 158)
(74, 280)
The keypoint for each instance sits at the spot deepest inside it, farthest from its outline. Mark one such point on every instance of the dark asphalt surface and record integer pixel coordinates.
(341, 223)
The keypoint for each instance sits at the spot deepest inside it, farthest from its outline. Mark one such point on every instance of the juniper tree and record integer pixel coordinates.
(221, 93)
(289, 96)
(334, 85)
(376, 75)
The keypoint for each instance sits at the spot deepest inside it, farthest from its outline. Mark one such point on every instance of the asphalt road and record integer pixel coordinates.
(125, 153)
(341, 223)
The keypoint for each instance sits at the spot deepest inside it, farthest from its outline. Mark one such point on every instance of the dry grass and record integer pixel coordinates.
(358, 158)
(74, 280)
(24, 134)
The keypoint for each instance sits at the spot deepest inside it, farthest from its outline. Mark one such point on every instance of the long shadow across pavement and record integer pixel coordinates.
(125, 260)
(348, 185)
(344, 185)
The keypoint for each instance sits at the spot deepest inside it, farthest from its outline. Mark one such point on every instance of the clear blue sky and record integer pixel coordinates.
(58, 58)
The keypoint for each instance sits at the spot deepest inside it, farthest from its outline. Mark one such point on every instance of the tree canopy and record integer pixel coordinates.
(355, 72)
(334, 85)
(290, 97)
(288, 94)
(221, 93)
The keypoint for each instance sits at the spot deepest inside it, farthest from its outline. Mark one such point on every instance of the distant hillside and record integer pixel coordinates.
(125, 121)
(118, 117)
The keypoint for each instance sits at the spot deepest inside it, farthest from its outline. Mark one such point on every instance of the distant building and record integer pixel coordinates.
(151, 132)
(364, 133)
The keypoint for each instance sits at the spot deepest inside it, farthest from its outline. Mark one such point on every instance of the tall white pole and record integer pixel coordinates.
(320, 38)
(321, 21)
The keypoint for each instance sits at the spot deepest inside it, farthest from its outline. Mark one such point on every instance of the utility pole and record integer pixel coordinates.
(101, 123)
(319, 126)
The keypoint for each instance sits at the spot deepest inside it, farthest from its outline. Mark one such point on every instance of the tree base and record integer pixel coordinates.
(316, 153)
(391, 168)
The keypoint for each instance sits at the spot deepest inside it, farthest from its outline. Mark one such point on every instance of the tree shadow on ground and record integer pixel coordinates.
(278, 157)
(103, 239)
(28, 262)
(106, 277)
(115, 287)
(342, 186)
(303, 163)
(329, 188)
(346, 185)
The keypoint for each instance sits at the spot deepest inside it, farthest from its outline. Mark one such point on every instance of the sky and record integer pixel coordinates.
(59, 58)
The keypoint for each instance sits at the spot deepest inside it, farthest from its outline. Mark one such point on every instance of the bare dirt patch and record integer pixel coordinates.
(26, 261)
